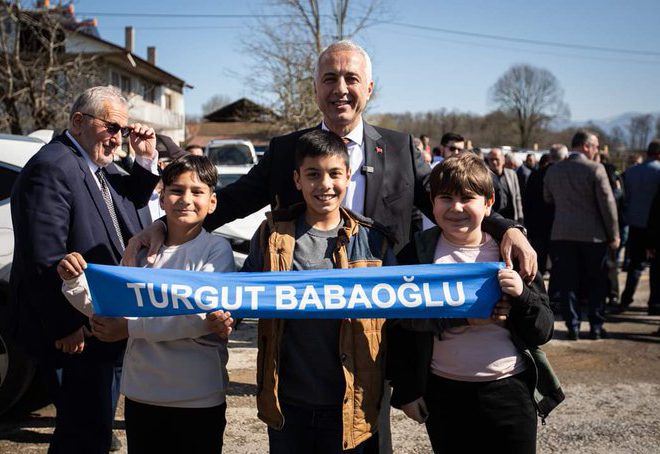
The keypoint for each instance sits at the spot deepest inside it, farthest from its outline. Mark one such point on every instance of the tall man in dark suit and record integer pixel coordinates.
(71, 197)
(388, 176)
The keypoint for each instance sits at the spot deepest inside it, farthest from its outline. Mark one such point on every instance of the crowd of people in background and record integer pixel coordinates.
(342, 195)
(586, 218)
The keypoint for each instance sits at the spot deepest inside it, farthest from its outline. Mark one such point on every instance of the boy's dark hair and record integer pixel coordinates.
(199, 165)
(461, 174)
(451, 137)
(320, 143)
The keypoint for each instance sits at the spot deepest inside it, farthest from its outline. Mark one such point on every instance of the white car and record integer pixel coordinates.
(240, 231)
(16, 370)
(231, 152)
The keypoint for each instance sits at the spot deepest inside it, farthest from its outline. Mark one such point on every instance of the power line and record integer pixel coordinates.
(613, 59)
(535, 42)
(186, 16)
(527, 41)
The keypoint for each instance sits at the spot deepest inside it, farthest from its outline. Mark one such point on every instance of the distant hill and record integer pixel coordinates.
(606, 124)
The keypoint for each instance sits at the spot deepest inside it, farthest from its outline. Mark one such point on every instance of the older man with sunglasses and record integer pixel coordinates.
(71, 197)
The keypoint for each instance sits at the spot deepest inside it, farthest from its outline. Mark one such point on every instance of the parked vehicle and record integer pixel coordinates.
(261, 151)
(231, 152)
(16, 369)
(240, 231)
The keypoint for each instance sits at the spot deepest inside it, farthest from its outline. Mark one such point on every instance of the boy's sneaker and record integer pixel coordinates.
(573, 334)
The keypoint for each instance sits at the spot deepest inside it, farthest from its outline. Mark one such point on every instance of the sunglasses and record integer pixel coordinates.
(455, 149)
(112, 128)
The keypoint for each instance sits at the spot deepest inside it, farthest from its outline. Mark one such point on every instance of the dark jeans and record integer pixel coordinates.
(499, 416)
(164, 430)
(309, 431)
(637, 254)
(81, 389)
(576, 265)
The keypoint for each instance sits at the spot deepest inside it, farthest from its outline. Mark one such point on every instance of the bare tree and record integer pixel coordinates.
(639, 130)
(38, 79)
(533, 95)
(618, 136)
(214, 103)
(285, 51)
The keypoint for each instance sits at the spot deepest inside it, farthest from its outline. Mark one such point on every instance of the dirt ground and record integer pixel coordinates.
(612, 388)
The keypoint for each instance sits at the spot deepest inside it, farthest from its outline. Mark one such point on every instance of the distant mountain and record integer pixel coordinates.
(606, 124)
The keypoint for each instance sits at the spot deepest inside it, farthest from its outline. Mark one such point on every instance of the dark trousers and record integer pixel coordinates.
(637, 253)
(580, 265)
(81, 389)
(309, 431)
(499, 416)
(612, 275)
(164, 430)
(541, 244)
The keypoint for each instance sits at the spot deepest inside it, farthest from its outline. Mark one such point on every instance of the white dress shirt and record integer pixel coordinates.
(356, 190)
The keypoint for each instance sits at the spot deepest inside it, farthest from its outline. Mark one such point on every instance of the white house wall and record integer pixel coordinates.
(166, 121)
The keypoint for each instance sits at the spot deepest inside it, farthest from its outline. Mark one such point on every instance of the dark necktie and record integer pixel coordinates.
(107, 198)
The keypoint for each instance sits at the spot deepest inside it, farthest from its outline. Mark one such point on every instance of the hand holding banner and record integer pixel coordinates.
(465, 290)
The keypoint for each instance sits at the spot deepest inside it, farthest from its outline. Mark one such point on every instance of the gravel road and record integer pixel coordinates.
(612, 391)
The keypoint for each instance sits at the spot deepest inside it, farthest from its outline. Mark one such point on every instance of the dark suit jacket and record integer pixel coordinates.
(57, 208)
(396, 183)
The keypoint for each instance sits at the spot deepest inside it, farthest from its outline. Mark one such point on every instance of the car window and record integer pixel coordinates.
(226, 179)
(8, 177)
(230, 155)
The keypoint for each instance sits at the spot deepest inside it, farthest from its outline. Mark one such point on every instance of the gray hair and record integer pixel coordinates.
(345, 45)
(558, 152)
(513, 159)
(92, 101)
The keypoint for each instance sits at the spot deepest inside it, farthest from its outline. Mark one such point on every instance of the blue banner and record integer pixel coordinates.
(412, 291)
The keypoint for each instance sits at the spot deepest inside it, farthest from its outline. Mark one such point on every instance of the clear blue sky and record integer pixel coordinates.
(417, 69)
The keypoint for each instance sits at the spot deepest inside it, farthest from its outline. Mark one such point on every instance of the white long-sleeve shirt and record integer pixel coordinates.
(172, 361)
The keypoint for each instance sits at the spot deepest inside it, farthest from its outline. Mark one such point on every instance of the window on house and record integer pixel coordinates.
(125, 84)
(148, 92)
(169, 101)
(114, 79)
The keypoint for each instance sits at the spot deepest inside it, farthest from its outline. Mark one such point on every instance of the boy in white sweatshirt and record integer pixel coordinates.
(174, 374)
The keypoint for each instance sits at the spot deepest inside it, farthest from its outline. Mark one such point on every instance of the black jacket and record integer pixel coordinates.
(409, 353)
(396, 180)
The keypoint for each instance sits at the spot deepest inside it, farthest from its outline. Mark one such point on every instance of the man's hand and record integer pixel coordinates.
(515, 245)
(501, 310)
(614, 244)
(220, 323)
(500, 313)
(72, 265)
(109, 329)
(143, 140)
(73, 343)
(416, 410)
(152, 238)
